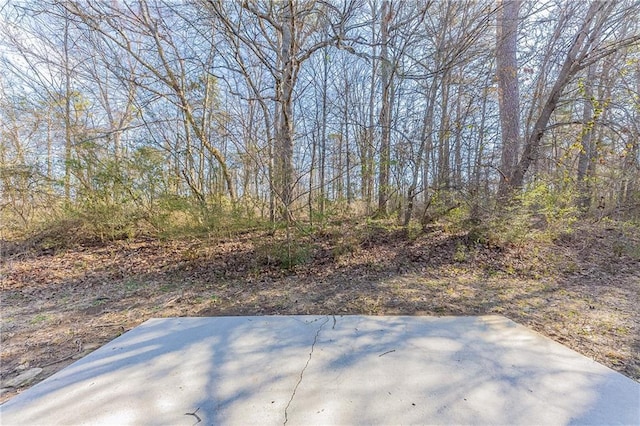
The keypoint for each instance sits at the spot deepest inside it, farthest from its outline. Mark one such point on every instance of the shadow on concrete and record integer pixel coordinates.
(330, 370)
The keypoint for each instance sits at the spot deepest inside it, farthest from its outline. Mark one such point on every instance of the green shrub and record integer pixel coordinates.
(283, 254)
(539, 213)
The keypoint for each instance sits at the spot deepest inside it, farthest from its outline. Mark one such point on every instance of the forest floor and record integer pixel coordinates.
(580, 288)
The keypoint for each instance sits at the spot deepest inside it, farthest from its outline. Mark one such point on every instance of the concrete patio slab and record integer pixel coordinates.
(334, 370)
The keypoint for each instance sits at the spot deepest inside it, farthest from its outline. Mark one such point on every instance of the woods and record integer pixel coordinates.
(150, 116)
(164, 158)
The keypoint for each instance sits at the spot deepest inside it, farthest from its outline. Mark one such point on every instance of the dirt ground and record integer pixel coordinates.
(581, 289)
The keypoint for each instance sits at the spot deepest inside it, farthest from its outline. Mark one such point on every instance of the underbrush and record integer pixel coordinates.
(97, 222)
(538, 215)
(534, 236)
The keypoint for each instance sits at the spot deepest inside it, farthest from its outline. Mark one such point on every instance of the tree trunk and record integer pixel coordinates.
(444, 149)
(368, 143)
(425, 142)
(284, 134)
(346, 139)
(68, 143)
(587, 148)
(508, 93)
(385, 113)
(323, 136)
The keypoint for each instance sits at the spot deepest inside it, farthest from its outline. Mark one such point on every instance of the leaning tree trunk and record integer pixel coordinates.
(573, 63)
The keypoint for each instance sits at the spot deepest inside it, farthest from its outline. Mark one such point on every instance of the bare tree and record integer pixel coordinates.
(588, 46)
(282, 37)
(167, 66)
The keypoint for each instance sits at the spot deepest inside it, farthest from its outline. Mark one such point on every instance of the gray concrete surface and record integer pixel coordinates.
(326, 370)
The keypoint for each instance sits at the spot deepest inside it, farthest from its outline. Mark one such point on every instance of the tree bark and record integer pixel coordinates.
(508, 92)
(284, 133)
(323, 136)
(68, 142)
(385, 113)
(587, 148)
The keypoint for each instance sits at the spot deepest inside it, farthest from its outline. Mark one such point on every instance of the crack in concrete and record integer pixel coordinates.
(293, 394)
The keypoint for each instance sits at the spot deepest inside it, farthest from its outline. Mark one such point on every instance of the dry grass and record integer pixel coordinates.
(582, 289)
